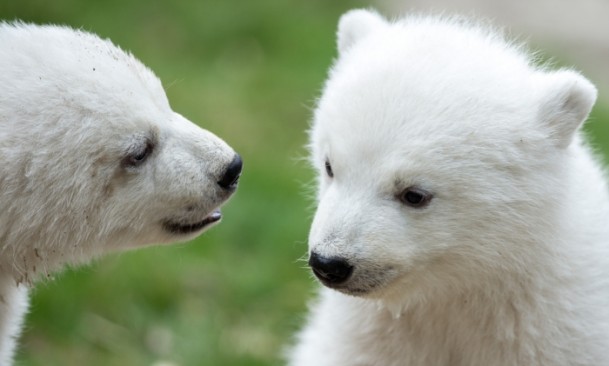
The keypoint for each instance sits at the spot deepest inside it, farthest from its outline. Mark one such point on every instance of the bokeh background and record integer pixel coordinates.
(250, 72)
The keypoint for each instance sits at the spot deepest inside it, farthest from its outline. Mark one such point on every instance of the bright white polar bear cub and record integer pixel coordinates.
(461, 220)
(92, 160)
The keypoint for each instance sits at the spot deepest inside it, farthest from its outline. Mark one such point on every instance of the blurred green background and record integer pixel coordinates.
(250, 72)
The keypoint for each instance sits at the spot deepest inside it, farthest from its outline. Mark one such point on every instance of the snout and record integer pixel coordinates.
(232, 172)
(331, 271)
(197, 217)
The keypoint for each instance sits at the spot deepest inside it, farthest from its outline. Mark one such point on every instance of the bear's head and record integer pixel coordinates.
(92, 158)
(442, 154)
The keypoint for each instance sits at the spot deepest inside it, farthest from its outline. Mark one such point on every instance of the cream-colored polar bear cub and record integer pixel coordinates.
(461, 220)
(92, 160)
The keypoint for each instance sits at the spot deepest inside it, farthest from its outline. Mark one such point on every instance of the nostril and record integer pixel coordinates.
(231, 175)
(333, 270)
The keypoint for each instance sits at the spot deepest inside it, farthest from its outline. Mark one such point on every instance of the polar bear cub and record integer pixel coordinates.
(92, 160)
(461, 220)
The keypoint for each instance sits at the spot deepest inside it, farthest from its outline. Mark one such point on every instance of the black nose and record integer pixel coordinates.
(231, 175)
(333, 271)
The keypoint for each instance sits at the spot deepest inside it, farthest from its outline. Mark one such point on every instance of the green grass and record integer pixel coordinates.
(248, 71)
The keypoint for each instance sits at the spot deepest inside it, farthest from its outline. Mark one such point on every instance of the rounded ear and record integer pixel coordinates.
(567, 99)
(354, 25)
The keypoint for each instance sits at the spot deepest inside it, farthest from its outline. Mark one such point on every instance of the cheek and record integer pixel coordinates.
(132, 200)
(403, 238)
(389, 233)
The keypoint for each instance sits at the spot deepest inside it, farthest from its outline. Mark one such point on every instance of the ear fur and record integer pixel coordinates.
(567, 100)
(356, 24)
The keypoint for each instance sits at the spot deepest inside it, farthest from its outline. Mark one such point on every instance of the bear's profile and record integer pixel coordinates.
(461, 219)
(92, 160)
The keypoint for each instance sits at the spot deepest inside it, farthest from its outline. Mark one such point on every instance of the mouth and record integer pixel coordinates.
(362, 291)
(181, 228)
(365, 284)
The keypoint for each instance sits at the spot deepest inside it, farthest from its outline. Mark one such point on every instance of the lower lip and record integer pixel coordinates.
(192, 228)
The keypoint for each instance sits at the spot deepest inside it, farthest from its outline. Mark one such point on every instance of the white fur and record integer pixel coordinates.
(508, 264)
(73, 110)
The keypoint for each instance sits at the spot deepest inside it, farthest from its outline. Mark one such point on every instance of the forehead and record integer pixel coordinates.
(409, 88)
(78, 63)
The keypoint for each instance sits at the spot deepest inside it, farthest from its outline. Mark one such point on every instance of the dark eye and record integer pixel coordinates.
(139, 155)
(415, 197)
(329, 169)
